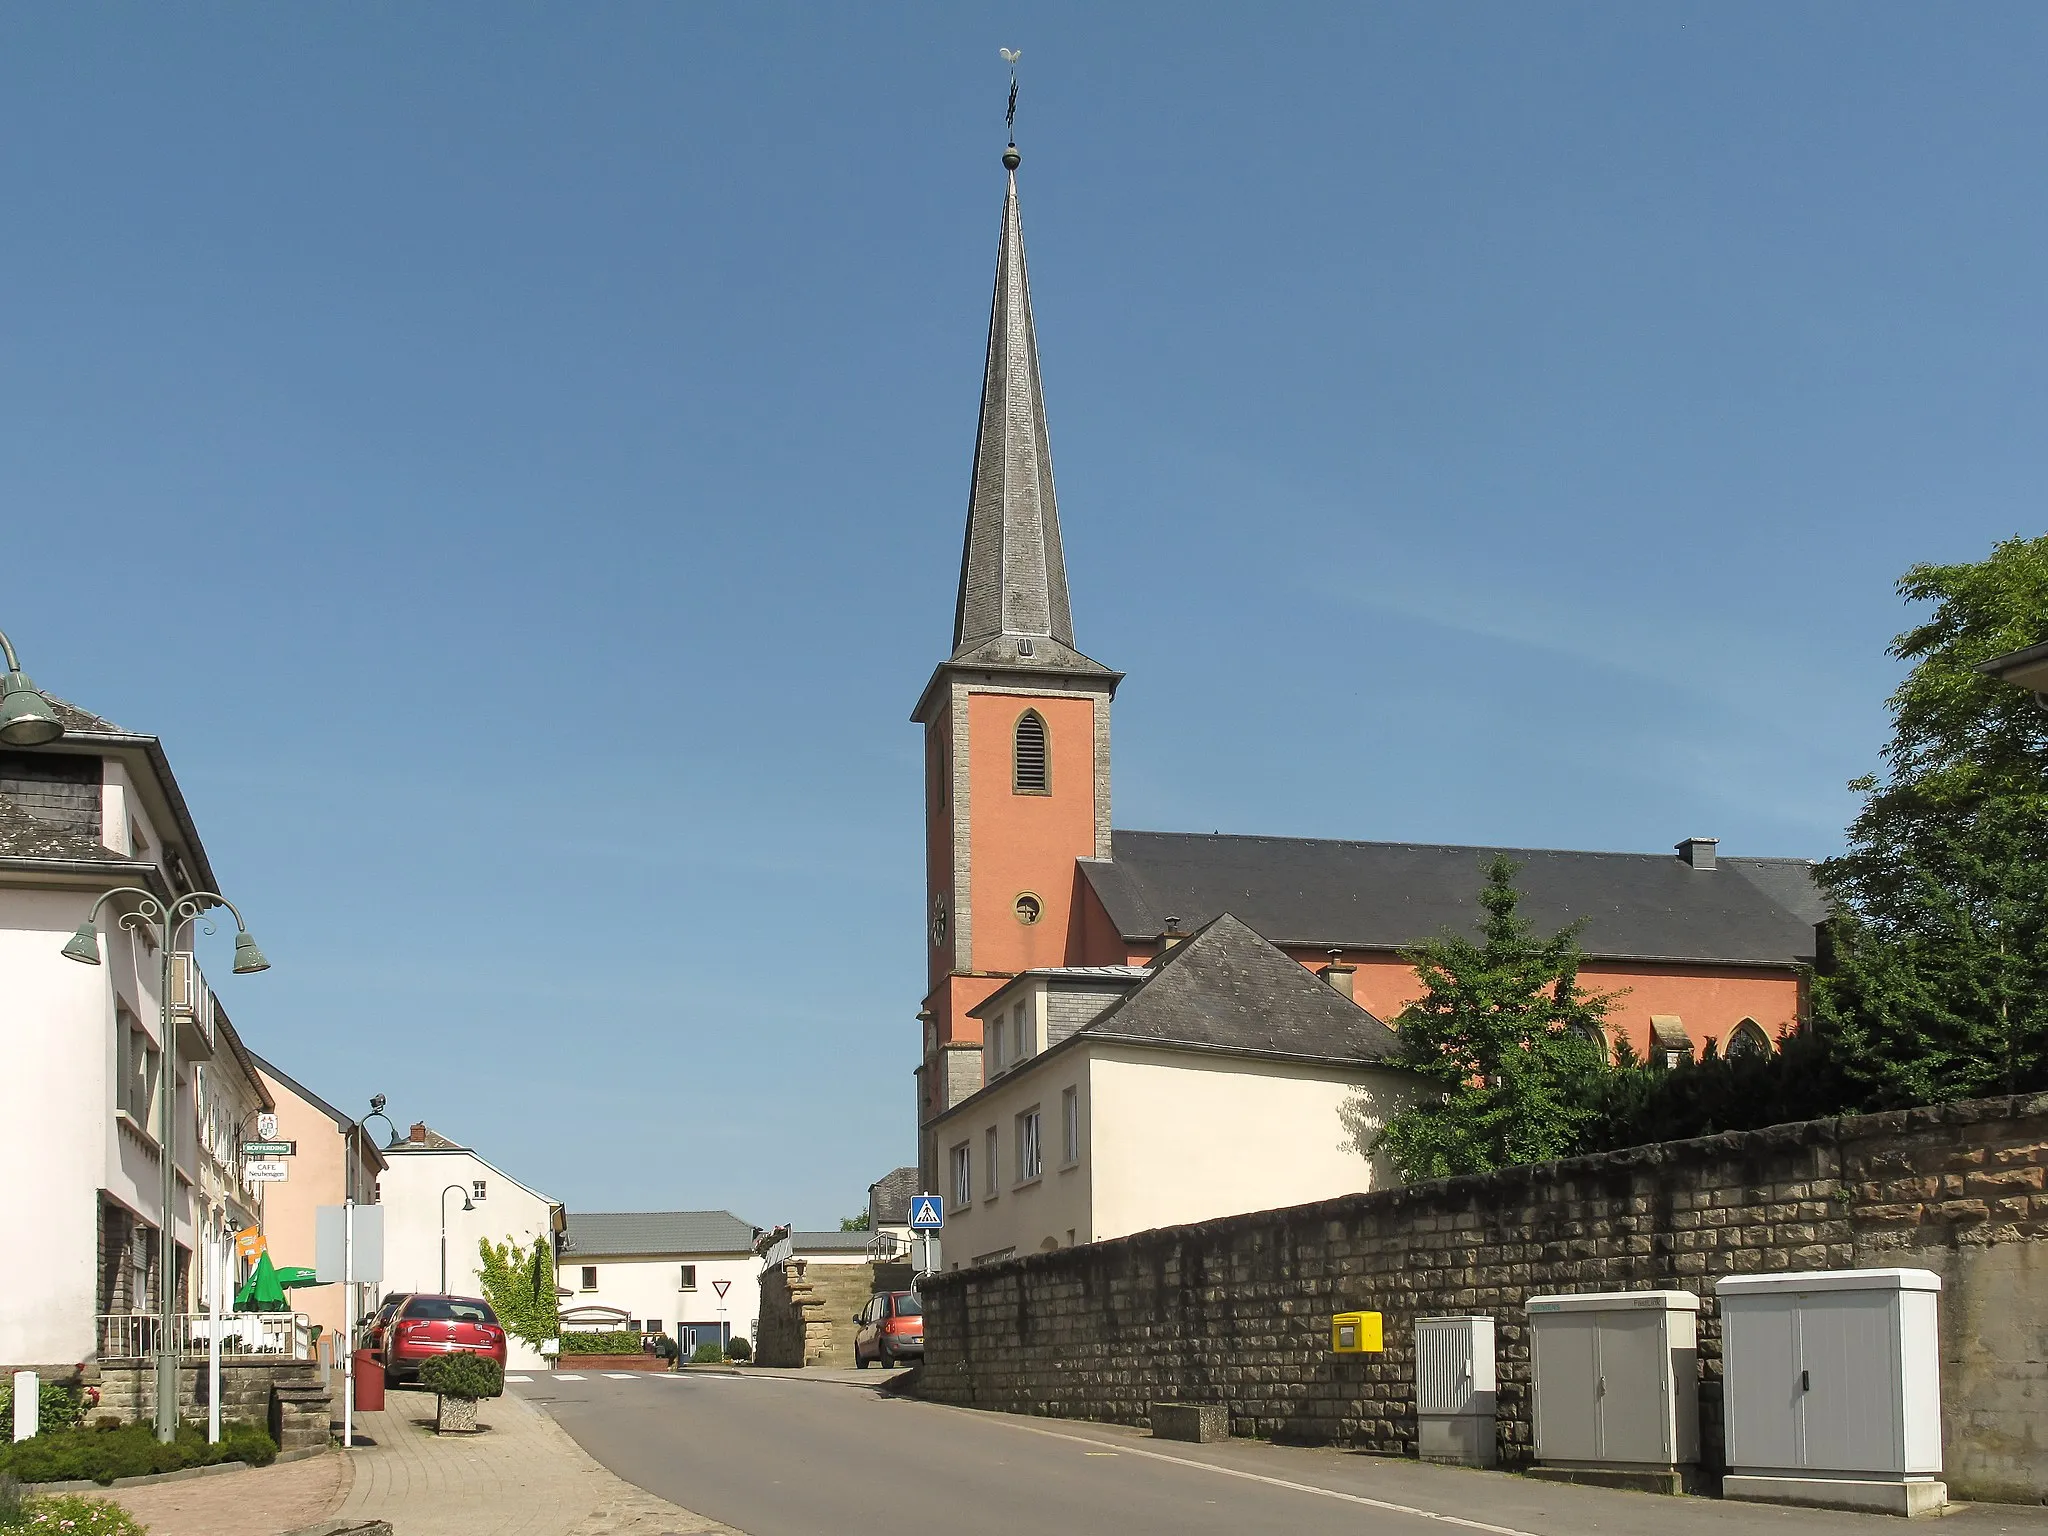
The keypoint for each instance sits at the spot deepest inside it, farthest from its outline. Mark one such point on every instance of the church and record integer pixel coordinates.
(1032, 892)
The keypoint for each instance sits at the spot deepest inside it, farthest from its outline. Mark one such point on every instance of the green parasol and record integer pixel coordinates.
(261, 1293)
(292, 1276)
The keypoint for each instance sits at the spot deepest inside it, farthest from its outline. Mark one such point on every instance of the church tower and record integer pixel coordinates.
(1016, 721)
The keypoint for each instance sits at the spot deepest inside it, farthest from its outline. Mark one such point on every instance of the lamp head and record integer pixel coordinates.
(248, 958)
(465, 1205)
(84, 946)
(26, 717)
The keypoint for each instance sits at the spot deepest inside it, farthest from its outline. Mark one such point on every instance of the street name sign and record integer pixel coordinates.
(270, 1149)
(927, 1214)
(262, 1171)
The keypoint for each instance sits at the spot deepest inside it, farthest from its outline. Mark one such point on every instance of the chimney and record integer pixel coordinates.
(1698, 851)
(1170, 937)
(418, 1135)
(1338, 974)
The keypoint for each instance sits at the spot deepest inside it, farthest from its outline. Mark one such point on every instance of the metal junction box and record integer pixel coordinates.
(1454, 1390)
(1832, 1389)
(1617, 1384)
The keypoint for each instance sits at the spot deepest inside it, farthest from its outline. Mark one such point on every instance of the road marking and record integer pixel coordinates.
(619, 1375)
(522, 1380)
(563, 1376)
(1280, 1482)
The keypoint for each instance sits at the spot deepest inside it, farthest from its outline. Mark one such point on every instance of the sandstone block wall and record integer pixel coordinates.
(1237, 1311)
(807, 1311)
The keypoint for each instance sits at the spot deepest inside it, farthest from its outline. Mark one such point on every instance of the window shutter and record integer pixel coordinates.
(1031, 776)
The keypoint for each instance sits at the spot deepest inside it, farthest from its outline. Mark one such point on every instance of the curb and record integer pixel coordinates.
(151, 1479)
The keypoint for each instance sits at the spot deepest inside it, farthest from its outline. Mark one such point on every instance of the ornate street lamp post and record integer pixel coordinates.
(457, 1189)
(162, 920)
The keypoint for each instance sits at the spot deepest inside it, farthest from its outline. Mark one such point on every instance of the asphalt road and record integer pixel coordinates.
(775, 1456)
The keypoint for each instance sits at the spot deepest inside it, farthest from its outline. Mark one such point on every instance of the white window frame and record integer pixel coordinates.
(1030, 1146)
(963, 1175)
(991, 1148)
(1070, 1125)
(1020, 1045)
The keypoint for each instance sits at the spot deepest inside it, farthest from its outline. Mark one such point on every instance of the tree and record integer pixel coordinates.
(520, 1286)
(1506, 1040)
(854, 1223)
(1938, 983)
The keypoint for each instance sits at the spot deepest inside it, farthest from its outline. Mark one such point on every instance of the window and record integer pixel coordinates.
(988, 1158)
(478, 1186)
(1028, 1167)
(688, 1282)
(589, 1277)
(1070, 1125)
(1032, 775)
(963, 1175)
(449, 1309)
(998, 1038)
(633, 1323)
(1749, 1039)
(654, 1325)
(1017, 1051)
(908, 1304)
(1029, 908)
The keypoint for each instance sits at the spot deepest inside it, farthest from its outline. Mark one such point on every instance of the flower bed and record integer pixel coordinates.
(130, 1450)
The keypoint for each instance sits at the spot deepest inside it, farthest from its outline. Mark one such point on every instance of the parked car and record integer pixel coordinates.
(424, 1326)
(890, 1328)
(380, 1320)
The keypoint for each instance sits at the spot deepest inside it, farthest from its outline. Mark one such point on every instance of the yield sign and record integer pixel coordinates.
(721, 1286)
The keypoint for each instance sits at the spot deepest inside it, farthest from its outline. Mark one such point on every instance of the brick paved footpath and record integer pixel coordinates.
(523, 1477)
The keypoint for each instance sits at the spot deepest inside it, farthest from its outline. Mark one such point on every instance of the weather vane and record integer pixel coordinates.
(1010, 57)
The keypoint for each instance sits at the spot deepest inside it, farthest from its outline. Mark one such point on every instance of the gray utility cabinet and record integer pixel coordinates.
(1832, 1388)
(1454, 1390)
(1617, 1380)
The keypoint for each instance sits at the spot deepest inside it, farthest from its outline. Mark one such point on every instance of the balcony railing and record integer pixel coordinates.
(888, 1247)
(243, 1335)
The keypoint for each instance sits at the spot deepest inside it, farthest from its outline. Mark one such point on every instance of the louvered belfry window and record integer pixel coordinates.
(1032, 775)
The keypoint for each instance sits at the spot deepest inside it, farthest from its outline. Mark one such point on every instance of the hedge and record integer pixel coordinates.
(618, 1342)
(130, 1450)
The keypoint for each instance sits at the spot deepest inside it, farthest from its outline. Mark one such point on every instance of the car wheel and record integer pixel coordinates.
(860, 1361)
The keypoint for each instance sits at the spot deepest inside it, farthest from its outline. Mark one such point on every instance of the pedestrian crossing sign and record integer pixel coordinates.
(927, 1213)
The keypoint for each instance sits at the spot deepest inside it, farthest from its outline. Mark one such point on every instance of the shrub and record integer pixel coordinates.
(739, 1349)
(463, 1375)
(665, 1347)
(617, 1342)
(130, 1450)
(56, 1407)
(708, 1354)
(72, 1514)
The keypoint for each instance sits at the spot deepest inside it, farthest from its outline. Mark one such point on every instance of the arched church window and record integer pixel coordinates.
(1590, 1033)
(1033, 773)
(1748, 1039)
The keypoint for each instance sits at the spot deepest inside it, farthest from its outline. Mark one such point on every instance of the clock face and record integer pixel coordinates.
(938, 923)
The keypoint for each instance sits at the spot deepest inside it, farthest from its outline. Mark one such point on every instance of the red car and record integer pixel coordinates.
(426, 1326)
(890, 1329)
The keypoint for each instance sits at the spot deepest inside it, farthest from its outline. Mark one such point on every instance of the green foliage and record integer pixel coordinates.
(1504, 1040)
(462, 1374)
(130, 1450)
(71, 1513)
(520, 1286)
(1636, 1103)
(708, 1354)
(737, 1348)
(854, 1223)
(56, 1407)
(1938, 986)
(616, 1342)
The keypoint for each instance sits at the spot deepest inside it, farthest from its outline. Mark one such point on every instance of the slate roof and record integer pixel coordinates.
(75, 719)
(831, 1242)
(1226, 988)
(596, 1234)
(889, 1197)
(24, 836)
(1326, 892)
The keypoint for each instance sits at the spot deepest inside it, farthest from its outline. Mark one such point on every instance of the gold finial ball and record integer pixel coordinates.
(1011, 159)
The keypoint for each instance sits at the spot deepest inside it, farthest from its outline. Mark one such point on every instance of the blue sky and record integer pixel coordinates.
(515, 457)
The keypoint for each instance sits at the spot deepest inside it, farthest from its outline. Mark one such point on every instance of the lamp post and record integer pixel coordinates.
(27, 718)
(458, 1189)
(162, 920)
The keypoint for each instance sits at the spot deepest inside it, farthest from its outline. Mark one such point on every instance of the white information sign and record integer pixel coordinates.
(266, 1170)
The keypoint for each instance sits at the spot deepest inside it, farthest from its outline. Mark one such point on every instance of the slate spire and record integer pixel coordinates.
(1013, 579)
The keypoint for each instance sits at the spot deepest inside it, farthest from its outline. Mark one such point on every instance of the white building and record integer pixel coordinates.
(692, 1275)
(81, 1132)
(426, 1183)
(1121, 1098)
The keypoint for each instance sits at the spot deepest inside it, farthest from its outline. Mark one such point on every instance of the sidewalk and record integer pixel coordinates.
(523, 1477)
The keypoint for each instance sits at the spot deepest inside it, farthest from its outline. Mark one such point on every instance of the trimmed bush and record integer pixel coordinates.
(463, 1375)
(73, 1514)
(617, 1342)
(708, 1354)
(130, 1450)
(739, 1349)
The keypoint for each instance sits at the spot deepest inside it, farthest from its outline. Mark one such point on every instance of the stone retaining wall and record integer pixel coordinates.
(1237, 1311)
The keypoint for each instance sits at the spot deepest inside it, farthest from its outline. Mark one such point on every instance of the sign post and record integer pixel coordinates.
(927, 1219)
(216, 1282)
(348, 1245)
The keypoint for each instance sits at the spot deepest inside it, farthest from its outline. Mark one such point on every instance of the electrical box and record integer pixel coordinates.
(1356, 1333)
(1617, 1381)
(1454, 1390)
(1831, 1388)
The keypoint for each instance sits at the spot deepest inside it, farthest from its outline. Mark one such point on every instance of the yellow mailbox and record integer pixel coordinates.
(1356, 1333)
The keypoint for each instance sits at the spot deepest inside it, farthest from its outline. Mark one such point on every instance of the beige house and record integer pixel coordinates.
(1119, 1098)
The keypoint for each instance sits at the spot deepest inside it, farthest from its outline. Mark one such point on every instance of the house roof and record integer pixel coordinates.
(889, 1196)
(598, 1234)
(831, 1242)
(342, 1122)
(25, 836)
(1355, 895)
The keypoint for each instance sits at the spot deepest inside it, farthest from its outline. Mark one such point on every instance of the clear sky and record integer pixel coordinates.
(515, 457)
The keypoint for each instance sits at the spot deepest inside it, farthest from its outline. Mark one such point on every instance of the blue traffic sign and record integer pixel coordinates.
(927, 1213)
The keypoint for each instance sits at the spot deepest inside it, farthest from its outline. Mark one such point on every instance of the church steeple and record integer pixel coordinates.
(1012, 608)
